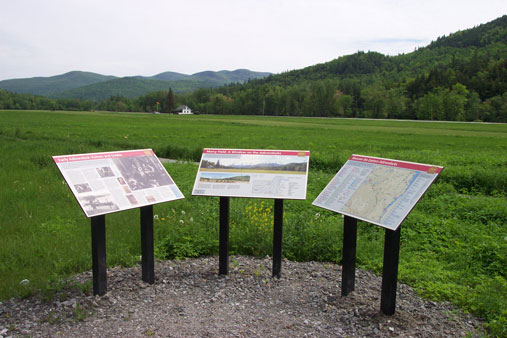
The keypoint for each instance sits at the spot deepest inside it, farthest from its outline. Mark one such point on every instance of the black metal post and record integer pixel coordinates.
(277, 238)
(147, 259)
(390, 271)
(98, 224)
(223, 254)
(349, 255)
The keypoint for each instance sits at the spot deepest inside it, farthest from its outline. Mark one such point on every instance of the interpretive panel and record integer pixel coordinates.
(279, 174)
(108, 182)
(377, 190)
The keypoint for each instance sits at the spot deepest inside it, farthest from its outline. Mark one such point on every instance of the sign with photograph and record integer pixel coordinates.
(377, 190)
(108, 182)
(281, 174)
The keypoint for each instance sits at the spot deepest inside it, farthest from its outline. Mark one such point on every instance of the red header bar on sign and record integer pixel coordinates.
(102, 156)
(256, 152)
(398, 164)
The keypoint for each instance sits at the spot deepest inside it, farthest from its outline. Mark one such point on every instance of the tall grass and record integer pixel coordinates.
(453, 244)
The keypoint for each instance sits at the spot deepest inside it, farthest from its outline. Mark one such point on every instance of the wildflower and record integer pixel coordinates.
(191, 219)
(317, 215)
(24, 282)
(182, 222)
(183, 212)
(162, 219)
(155, 217)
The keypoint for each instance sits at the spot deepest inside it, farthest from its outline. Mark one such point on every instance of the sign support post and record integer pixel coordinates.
(253, 173)
(223, 254)
(147, 259)
(380, 191)
(98, 225)
(108, 182)
(349, 255)
(277, 238)
(390, 271)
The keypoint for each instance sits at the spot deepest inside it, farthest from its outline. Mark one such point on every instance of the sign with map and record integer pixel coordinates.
(279, 174)
(377, 190)
(108, 182)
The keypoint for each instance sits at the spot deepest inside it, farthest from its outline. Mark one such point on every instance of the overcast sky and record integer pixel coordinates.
(147, 37)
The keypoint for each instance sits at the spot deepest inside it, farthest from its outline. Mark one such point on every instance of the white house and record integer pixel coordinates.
(183, 110)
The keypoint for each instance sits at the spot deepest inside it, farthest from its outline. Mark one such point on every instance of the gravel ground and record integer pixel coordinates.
(190, 299)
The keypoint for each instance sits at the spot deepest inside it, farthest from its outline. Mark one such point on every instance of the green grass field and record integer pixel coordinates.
(453, 245)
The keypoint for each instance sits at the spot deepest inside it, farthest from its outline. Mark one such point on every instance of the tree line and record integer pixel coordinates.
(319, 98)
(163, 101)
(462, 77)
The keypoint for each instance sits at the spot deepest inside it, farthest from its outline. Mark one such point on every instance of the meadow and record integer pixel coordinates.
(453, 244)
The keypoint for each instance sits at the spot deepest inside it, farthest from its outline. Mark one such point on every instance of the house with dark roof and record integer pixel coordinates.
(183, 110)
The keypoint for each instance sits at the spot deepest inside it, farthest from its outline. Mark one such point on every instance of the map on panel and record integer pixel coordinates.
(252, 173)
(108, 182)
(377, 190)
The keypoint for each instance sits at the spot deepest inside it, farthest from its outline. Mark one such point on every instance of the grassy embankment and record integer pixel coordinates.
(453, 244)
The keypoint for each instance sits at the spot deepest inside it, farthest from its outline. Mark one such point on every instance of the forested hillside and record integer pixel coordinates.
(129, 87)
(460, 77)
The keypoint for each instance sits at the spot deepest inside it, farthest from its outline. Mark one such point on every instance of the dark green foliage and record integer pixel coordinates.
(480, 36)
(125, 87)
(169, 101)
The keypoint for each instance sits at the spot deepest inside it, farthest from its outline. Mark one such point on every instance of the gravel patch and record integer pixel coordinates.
(190, 299)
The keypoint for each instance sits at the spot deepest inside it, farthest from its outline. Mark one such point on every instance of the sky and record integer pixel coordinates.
(148, 37)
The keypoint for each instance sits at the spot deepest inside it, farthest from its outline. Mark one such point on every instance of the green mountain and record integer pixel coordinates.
(125, 86)
(462, 76)
(170, 76)
(49, 86)
(484, 41)
(84, 85)
(226, 76)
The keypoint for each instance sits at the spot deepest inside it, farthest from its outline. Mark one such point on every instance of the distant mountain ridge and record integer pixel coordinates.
(459, 77)
(87, 85)
(49, 86)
